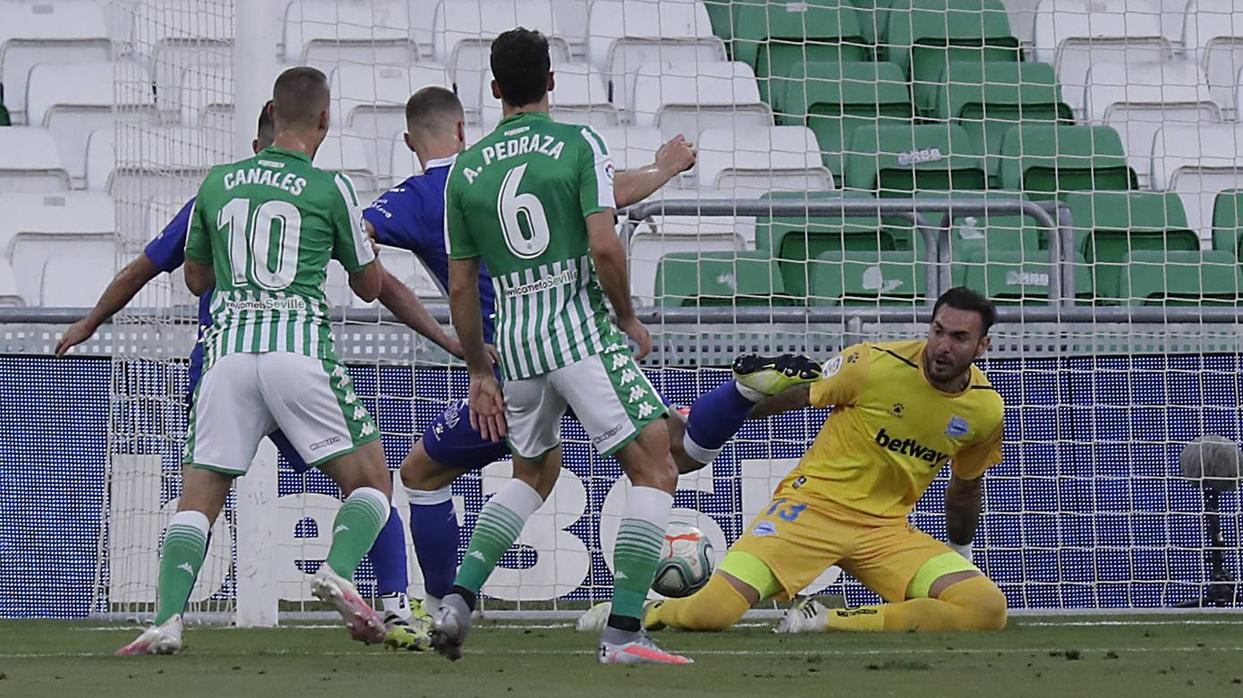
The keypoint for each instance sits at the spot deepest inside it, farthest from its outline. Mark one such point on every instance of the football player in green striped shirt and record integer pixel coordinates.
(262, 233)
(534, 201)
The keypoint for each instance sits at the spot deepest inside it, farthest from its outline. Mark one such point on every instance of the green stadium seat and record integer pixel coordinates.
(1045, 160)
(773, 37)
(872, 16)
(1111, 225)
(895, 160)
(833, 98)
(1199, 278)
(748, 278)
(924, 36)
(868, 278)
(1011, 277)
(720, 15)
(988, 98)
(794, 240)
(978, 233)
(1228, 221)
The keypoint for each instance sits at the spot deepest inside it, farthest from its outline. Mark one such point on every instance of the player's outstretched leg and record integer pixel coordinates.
(407, 626)
(716, 416)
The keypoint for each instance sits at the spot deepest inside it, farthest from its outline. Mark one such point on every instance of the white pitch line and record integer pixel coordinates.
(1123, 623)
(726, 653)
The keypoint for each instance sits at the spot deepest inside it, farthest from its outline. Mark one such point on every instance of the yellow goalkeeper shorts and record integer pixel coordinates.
(797, 542)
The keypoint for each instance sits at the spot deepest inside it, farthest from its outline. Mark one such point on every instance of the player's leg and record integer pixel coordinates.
(313, 403)
(928, 586)
(624, 416)
(533, 413)
(227, 420)
(716, 416)
(448, 449)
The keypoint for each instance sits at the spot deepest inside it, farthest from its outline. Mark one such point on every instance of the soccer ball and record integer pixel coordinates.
(686, 562)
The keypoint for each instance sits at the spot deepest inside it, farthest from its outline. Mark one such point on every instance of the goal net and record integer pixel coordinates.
(853, 161)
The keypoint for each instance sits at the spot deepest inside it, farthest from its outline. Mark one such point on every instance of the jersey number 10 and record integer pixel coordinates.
(251, 239)
(513, 208)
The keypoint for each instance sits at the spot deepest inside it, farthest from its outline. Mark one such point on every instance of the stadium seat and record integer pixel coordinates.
(832, 99)
(71, 100)
(174, 37)
(402, 162)
(773, 37)
(986, 99)
(572, 17)
(77, 212)
(1045, 160)
(1014, 277)
(623, 36)
(346, 152)
(464, 31)
(1197, 161)
(64, 31)
(631, 146)
(749, 163)
(663, 235)
(9, 296)
(207, 98)
(370, 100)
(580, 97)
(324, 33)
(719, 278)
(869, 278)
(1074, 34)
(924, 37)
(1228, 221)
(1138, 98)
(1213, 37)
(62, 269)
(686, 98)
(794, 240)
(971, 233)
(1110, 225)
(894, 160)
(30, 161)
(1023, 19)
(1201, 278)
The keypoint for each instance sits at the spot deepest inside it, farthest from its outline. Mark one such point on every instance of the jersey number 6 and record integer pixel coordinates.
(513, 208)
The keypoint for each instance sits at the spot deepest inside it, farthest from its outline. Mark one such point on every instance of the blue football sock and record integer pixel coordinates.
(714, 419)
(433, 523)
(388, 557)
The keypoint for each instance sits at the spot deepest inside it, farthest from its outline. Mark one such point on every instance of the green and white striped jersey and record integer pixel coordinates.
(269, 225)
(519, 199)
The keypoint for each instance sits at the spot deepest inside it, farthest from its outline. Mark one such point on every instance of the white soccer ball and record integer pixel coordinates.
(686, 562)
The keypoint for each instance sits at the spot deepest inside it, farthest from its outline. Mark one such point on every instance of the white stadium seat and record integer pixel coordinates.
(1213, 37)
(631, 147)
(73, 99)
(62, 269)
(463, 36)
(402, 162)
(580, 97)
(178, 36)
(625, 35)
(686, 98)
(1074, 34)
(30, 160)
(1198, 161)
(346, 152)
(78, 212)
(9, 295)
(663, 235)
(752, 162)
(324, 33)
(207, 98)
(1138, 98)
(46, 31)
(371, 99)
(1022, 14)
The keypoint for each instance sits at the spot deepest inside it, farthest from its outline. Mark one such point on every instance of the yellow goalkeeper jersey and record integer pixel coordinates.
(890, 432)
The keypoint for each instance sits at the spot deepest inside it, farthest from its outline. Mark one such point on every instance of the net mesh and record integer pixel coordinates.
(1116, 123)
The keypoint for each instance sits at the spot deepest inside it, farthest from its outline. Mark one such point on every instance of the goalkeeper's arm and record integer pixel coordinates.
(962, 513)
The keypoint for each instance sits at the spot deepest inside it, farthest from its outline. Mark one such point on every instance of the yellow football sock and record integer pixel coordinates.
(972, 604)
(717, 606)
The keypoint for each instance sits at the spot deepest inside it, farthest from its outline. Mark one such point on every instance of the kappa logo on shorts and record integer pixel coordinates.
(325, 443)
(957, 427)
(608, 434)
(764, 528)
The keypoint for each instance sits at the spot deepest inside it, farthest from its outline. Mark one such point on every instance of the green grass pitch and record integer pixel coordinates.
(1046, 657)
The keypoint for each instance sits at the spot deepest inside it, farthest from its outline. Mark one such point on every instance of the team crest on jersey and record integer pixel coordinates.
(831, 367)
(957, 427)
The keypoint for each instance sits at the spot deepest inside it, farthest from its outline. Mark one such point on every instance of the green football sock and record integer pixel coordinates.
(185, 547)
(355, 528)
(498, 526)
(639, 538)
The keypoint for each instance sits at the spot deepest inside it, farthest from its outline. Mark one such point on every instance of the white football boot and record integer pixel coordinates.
(805, 615)
(364, 623)
(157, 639)
(641, 650)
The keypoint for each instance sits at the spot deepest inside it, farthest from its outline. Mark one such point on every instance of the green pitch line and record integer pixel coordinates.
(1193, 655)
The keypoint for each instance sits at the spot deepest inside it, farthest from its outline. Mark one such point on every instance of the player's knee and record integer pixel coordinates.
(418, 470)
(984, 605)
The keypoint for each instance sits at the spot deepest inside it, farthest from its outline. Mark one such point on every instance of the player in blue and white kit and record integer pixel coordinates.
(411, 216)
(165, 254)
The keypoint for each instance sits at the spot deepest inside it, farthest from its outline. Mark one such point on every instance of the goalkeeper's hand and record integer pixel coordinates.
(964, 550)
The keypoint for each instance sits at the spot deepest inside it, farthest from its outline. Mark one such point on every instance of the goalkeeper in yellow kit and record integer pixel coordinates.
(901, 412)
